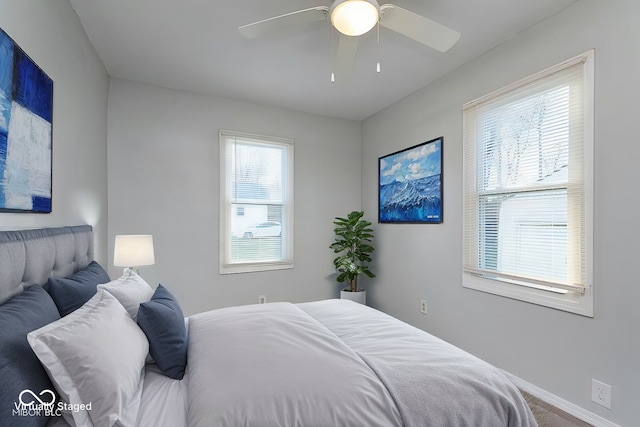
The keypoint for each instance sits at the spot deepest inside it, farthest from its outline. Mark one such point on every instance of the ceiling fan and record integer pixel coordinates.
(353, 18)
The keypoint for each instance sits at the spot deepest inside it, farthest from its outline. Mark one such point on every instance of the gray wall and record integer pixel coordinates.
(51, 34)
(164, 180)
(556, 351)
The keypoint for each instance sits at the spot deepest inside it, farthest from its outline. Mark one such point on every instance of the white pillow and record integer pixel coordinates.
(130, 289)
(96, 356)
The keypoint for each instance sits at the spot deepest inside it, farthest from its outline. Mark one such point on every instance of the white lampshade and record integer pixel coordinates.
(354, 17)
(134, 250)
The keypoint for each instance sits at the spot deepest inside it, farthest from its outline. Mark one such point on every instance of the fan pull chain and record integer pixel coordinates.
(378, 65)
(332, 55)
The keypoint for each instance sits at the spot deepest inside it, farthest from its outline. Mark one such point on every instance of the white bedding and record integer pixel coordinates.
(273, 365)
(337, 363)
(433, 382)
(164, 400)
(325, 363)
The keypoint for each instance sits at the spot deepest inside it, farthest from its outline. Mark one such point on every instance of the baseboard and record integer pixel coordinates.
(564, 405)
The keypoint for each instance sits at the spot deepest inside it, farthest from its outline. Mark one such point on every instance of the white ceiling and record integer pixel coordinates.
(195, 45)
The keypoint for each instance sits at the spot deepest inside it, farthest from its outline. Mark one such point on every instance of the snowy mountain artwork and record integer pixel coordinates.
(410, 184)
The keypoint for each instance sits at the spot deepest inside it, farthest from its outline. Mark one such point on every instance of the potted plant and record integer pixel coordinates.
(353, 244)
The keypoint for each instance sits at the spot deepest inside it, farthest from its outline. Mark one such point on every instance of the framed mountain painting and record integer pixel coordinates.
(26, 123)
(410, 184)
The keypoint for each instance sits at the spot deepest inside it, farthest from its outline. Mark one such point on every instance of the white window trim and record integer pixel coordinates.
(575, 302)
(225, 209)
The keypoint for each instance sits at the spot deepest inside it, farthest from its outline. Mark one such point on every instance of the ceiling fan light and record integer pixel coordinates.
(354, 17)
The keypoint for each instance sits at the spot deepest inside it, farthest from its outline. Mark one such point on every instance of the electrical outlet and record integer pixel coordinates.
(423, 306)
(262, 299)
(601, 393)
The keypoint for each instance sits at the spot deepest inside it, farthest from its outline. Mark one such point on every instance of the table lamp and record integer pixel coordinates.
(133, 250)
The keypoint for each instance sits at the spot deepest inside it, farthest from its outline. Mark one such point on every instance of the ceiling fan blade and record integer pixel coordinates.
(345, 56)
(284, 22)
(418, 27)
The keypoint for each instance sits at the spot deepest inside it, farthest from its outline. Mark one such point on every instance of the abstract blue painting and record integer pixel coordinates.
(26, 123)
(410, 184)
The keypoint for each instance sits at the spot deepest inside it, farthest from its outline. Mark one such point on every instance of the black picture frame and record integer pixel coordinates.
(410, 184)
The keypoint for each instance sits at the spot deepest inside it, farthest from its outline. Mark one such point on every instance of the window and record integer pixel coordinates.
(256, 203)
(528, 185)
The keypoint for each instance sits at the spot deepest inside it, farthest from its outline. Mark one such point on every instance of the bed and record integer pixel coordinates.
(122, 353)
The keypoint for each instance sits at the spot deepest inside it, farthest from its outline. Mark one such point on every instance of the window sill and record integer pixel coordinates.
(254, 268)
(571, 302)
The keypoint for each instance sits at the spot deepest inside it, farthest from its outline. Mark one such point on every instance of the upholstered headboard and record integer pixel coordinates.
(30, 257)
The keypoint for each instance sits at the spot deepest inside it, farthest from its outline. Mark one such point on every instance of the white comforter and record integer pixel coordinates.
(337, 363)
(432, 382)
(274, 365)
(325, 364)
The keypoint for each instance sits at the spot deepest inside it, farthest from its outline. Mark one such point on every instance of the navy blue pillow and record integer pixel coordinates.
(20, 368)
(72, 292)
(162, 321)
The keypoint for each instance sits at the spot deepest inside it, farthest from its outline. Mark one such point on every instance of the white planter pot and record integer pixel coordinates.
(359, 297)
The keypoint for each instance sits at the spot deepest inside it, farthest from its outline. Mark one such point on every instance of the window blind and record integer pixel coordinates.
(524, 182)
